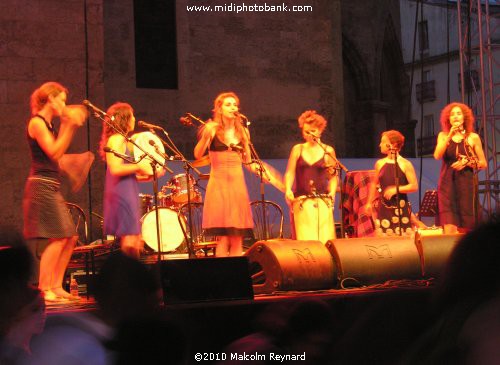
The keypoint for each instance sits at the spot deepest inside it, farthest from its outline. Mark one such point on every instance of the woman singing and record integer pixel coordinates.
(462, 152)
(45, 212)
(310, 167)
(226, 211)
(121, 191)
(389, 214)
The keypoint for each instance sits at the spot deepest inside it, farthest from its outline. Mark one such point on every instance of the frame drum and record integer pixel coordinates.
(143, 139)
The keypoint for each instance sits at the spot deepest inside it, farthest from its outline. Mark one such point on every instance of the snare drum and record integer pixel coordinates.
(313, 218)
(171, 234)
(178, 184)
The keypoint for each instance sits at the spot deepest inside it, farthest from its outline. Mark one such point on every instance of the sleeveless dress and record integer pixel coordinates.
(387, 222)
(311, 178)
(312, 220)
(121, 205)
(226, 210)
(44, 210)
(455, 189)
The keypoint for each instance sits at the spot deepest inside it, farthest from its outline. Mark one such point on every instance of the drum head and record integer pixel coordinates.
(171, 235)
(143, 140)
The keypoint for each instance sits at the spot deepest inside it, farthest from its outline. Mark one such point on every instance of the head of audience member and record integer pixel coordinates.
(472, 272)
(309, 330)
(126, 289)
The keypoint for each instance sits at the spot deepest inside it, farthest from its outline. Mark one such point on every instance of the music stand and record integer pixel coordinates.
(429, 205)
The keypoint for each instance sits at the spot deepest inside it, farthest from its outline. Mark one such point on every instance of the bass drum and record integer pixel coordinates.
(171, 234)
(313, 218)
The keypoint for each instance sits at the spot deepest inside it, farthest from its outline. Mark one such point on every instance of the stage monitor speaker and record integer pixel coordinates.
(283, 264)
(434, 252)
(374, 260)
(205, 279)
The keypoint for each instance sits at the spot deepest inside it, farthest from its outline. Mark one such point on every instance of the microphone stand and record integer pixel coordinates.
(394, 153)
(262, 171)
(107, 119)
(339, 167)
(187, 167)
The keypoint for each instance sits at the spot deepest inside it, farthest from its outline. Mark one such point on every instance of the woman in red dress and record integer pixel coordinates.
(226, 211)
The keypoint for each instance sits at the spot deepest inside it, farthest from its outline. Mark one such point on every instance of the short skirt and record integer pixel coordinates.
(44, 210)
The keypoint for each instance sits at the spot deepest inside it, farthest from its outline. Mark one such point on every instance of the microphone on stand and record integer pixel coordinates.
(144, 124)
(162, 154)
(118, 154)
(96, 110)
(312, 135)
(245, 120)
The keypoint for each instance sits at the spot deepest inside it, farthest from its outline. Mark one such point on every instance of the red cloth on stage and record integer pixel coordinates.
(356, 190)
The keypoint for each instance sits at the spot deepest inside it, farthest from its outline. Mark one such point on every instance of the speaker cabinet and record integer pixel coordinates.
(434, 252)
(281, 264)
(207, 279)
(366, 261)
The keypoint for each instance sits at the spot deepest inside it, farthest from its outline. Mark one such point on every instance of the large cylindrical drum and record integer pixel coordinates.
(282, 264)
(313, 218)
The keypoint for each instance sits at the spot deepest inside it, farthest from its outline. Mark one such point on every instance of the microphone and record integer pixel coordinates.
(118, 154)
(142, 123)
(162, 154)
(312, 135)
(236, 148)
(245, 119)
(185, 121)
(95, 109)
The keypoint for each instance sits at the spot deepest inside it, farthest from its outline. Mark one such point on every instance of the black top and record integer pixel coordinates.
(311, 178)
(41, 164)
(218, 145)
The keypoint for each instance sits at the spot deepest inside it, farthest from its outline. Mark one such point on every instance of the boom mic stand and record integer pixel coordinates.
(262, 171)
(338, 167)
(394, 153)
(178, 156)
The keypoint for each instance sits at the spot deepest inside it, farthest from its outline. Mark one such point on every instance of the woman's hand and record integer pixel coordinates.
(389, 192)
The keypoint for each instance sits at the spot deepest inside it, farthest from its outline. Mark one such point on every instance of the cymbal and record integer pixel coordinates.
(204, 161)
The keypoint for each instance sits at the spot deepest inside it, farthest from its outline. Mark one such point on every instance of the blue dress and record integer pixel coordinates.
(121, 205)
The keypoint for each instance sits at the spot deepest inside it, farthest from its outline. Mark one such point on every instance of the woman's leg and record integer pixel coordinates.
(222, 249)
(235, 246)
(61, 265)
(48, 263)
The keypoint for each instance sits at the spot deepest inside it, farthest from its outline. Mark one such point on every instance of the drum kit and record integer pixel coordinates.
(171, 197)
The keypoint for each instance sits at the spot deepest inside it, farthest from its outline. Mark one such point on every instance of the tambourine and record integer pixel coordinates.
(150, 143)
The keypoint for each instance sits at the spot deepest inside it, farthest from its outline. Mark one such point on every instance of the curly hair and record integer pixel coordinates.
(40, 96)
(395, 137)
(217, 117)
(311, 117)
(468, 117)
(122, 112)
